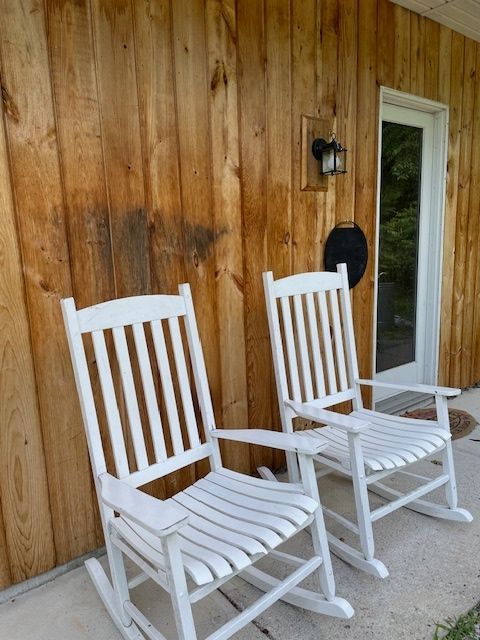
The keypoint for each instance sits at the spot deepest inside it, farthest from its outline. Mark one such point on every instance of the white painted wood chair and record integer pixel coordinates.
(219, 526)
(316, 367)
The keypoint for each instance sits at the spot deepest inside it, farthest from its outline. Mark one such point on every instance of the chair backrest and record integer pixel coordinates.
(312, 337)
(143, 370)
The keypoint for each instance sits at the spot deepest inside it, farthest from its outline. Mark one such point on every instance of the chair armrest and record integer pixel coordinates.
(309, 411)
(418, 388)
(150, 513)
(275, 439)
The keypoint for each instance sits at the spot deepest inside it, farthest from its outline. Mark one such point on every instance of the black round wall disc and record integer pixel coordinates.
(347, 243)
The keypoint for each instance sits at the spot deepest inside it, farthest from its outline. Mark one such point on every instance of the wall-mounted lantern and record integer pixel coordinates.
(319, 159)
(331, 156)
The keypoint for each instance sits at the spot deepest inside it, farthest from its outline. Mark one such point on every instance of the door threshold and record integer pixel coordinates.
(402, 402)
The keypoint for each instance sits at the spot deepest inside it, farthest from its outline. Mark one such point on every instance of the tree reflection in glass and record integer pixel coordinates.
(398, 248)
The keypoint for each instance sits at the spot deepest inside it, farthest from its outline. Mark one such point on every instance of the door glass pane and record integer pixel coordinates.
(398, 248)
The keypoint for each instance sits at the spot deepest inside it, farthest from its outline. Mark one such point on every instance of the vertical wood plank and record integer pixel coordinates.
(117, 94)
(194, 144)
(385, 38)
(327, 61)
(401, 58)
(304, 203)
(279, 150)
(474, 200)
(251, 74)
(460, 341)
(417, 54)
(455, 101)
(160, 155)
(444, 76)
(366, 175)
(189, 47)
(26, 535)
(347, 105)
(433, 53)
(279, 154)
(223, 109)
(41, 221)
(72, 64)
(158, 129)
(79, 140)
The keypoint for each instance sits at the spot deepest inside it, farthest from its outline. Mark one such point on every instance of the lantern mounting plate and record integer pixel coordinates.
(310, 177)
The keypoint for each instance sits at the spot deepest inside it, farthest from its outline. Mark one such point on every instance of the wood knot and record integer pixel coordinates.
(11, 108)
(219, 75)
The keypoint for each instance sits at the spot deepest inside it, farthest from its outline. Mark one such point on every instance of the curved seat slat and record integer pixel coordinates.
(260, 483)
(228, 529)
(387, 444)
(284, 498)
(281, 526)
(244, 500)
(260, 533)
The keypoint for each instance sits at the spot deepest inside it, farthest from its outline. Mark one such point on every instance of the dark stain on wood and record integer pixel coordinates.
(131, 239)
(199, 241)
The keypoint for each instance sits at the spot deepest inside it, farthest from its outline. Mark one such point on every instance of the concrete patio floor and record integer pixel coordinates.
(434, 573)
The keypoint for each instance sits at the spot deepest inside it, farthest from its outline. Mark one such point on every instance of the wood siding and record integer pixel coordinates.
(149, 142)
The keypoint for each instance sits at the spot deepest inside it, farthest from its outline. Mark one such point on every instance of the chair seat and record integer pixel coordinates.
(390, 443)
(234, 519)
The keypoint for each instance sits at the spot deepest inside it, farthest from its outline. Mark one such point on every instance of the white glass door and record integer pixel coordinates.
(406, 250)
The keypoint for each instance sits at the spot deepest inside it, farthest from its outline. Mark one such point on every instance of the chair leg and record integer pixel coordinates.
(451, 486)
(360, 490)
(448, 465)
(319, 532)
(447, 457)
(119, 581)
(108, 596)
(178, 588)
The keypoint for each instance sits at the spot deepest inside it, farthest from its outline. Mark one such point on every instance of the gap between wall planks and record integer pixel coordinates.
(153, 142)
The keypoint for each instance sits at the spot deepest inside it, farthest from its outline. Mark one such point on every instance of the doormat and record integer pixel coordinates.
(461, 422)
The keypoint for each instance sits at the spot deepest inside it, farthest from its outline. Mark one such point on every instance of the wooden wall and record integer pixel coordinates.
(146, 143)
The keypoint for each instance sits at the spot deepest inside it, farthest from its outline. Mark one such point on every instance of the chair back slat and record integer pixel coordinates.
(114, 423)
(149, 393)
(167, 385)
(316, 355)
(147, 399)
(314, 348)
(291, 351)
(327, 341)
(349, 333)
(130, 395)
(184, 383)
(303, 348)
(338, 340)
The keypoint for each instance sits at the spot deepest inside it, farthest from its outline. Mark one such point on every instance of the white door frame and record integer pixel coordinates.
(437, 210)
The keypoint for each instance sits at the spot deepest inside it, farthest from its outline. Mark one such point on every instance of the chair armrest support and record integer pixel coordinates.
(275, 439)
(418, 388)
(309, 411)
(150, 513)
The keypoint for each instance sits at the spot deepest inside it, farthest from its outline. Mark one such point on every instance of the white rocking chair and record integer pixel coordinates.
(219, 526)
(316, 340)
